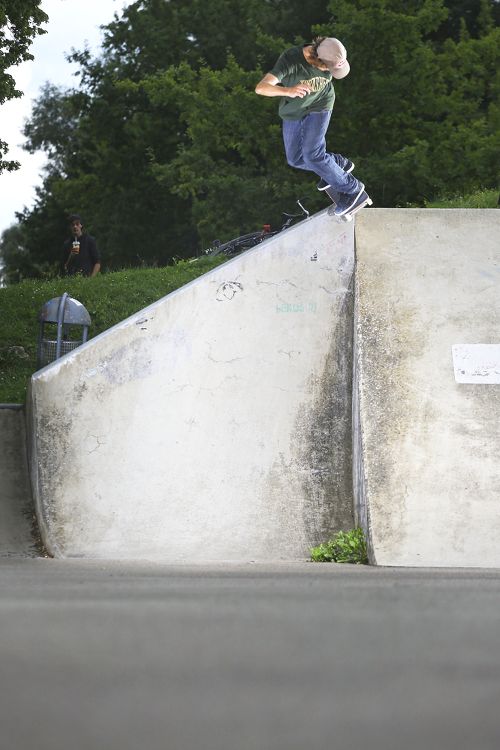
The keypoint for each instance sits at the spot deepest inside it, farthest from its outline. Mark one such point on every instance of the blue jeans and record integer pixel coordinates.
(305, 148)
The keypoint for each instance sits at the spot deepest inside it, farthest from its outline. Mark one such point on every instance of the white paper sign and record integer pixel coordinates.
(476, 363)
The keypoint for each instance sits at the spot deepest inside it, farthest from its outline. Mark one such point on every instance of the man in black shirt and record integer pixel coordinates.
(80, 253)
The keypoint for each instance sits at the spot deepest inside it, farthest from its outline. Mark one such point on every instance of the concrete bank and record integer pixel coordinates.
(427, 446)
(16, 505)
(213, 425)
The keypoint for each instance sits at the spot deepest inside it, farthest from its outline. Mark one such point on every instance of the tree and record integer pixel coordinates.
(17, 261)
(99, 145)
(165, 146)
(105, 140)
(418, 117)
(20, 23)
(231, 164)
(204, 33)
(467, 16)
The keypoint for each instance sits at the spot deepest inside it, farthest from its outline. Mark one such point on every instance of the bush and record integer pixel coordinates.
(344, 547)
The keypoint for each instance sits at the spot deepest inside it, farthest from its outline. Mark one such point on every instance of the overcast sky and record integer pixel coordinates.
(71, 24)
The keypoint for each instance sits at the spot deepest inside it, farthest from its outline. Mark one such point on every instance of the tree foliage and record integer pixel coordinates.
(164, 146)
(20, 23)
(429, 112)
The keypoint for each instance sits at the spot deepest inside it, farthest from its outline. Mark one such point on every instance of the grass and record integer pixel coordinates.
(344, 547)
(109, 298)
(479, 199)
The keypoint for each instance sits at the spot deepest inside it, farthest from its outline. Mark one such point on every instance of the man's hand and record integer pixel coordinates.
(300, 90)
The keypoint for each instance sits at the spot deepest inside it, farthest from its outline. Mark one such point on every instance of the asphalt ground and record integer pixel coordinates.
(250, 657)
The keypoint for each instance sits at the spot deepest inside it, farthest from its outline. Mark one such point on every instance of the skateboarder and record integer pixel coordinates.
(302, 76)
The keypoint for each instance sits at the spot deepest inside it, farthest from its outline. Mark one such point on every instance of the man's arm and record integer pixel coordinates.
(269, 86)
(94, 256)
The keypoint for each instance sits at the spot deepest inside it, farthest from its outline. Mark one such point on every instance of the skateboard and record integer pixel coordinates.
(333, 195)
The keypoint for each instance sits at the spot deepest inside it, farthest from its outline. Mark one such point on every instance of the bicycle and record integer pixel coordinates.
(246, 241)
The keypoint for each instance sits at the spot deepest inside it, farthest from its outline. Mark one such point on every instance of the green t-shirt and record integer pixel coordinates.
(292, 68)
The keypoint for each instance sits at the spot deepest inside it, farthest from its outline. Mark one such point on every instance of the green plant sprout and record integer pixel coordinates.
(344, 547)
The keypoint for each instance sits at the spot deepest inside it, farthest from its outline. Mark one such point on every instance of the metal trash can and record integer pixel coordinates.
(64, 325)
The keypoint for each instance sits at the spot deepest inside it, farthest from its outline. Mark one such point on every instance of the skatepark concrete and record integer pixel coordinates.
(16, 504)
(212, 425)
(428, 446)
(216, 424)
(291, 656)
(283, 655)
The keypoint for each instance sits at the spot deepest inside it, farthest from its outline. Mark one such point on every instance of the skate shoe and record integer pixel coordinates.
(347, 203)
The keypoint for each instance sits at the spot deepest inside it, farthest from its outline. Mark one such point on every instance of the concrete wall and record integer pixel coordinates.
(213, 425)
(427, 448)
(16, 506)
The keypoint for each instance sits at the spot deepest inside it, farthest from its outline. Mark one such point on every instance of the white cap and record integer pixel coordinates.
(334, 55)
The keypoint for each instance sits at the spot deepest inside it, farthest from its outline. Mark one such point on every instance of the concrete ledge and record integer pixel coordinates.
(427, 468)
(214, 424)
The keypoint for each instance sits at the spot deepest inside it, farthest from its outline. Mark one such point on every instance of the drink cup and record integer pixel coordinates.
(75, 248)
